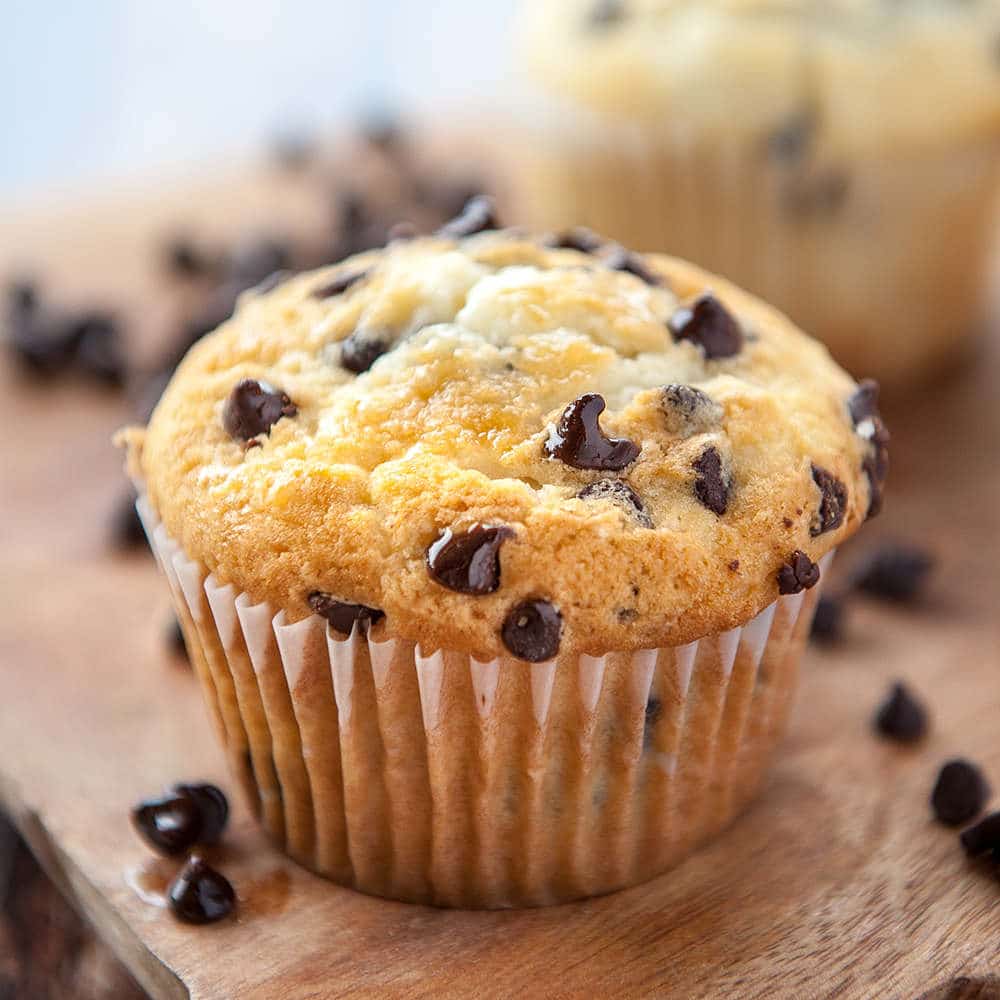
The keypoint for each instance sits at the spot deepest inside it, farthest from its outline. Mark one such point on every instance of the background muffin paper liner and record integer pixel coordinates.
(432, 777)
(894, 242)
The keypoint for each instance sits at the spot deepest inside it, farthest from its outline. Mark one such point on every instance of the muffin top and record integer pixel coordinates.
(861, 74)
(505, 444)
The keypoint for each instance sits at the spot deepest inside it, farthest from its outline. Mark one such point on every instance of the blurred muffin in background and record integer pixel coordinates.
(839, 158)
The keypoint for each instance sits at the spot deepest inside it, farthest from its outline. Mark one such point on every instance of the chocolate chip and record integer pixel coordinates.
(127, 531)
(864, 402)
(478, 215)
(687, 408)
(832, 502)
(895, 572)
(828, 621)
(606, 13)
(184, 258)
(253, 407)
(341, 282)
(798, 574)
(713, 485)
(213, 808)
(618, 492)
(819, 195)
(532, 630)
(983, 837)
(199, 894)
(708, 325)
(43, 342)
(876, 464)
(654, 709)
(361, 349)
(791, 141)
(578, 238)
(579, 441)
(620, 259)
(99, 351)
(959, 794)
(170, 824)
(468, 561)
(901, 717)
(342, 615)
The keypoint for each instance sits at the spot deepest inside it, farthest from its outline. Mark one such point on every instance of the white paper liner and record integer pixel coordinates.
(433, 777)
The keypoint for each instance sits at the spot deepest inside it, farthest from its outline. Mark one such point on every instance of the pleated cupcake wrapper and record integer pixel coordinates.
(431, 776)
(729, 205)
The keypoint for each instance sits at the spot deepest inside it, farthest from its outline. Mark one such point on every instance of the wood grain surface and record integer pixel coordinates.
(837, 883)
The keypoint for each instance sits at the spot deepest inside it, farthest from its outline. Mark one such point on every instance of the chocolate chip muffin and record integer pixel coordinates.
(496, 555)
(839, 159)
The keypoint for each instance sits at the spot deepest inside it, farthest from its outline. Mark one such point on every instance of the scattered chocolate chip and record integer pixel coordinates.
(712, 486)
(708, 325)
(127, 531)
(618, 492)
(606, 13)
(819, 195)
(579, 441)
(983, 837)
(901, 717)
(170, 824)
(654, 709)
(532, 630)
(578, 238)
(253, 407)
(99, 351)
(832, 502)
(791, 141)
(342, 615)
(620, 259)
(477, 216)
(688, 409)
(175, 640)
(468, 561)
(361, 349)
(798, 574)
(828, 621)
(341, 282)
(895, 572)
(199, 894)
(959, 794)
(864, 402)
(213, 808)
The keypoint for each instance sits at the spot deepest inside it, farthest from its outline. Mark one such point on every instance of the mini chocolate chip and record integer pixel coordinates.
(708, 325)
(578, 238)
(798, 574)
(895, 572)
(579, 441)
(828, 621)
(532, 630)
(213, 808)
(199, 894)
(606, 13)
(342, 615)
(864, 402)
(654, 709)
(983, 837)
(713, 485)
(360, 350)
(468, 561)
(832, 502)
(901, 717)
(620, 259)
(341, 282)
(959, 794)
(478, 215)
(618, 492)
(687, 409)
(170, 824)
(819, 195)
(253, 407)
(791, 141)
(127, 531)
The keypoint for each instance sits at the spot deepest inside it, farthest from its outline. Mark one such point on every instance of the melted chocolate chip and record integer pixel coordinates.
(253, 407)
(200, 894)
(478, 216)
(864, 402)
(713, 486)
(360, 350)
(170, 824)
(579, 441)
(532, 630)
(213, 809)
(901, 717)
(578, 238)
(618, 492)
(606, 13)
(828, 621)
(832, 503)
(798, 574)
(468, 561)
(983, 837)
(895, 572)
(341, 282)
(959, 794)
(343, 615)
(620, 259)
(708, 325)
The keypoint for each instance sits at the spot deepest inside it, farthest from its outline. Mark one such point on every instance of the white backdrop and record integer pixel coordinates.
(105, 88)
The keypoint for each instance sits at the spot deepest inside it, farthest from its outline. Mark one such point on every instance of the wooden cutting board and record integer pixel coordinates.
(837, 883)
